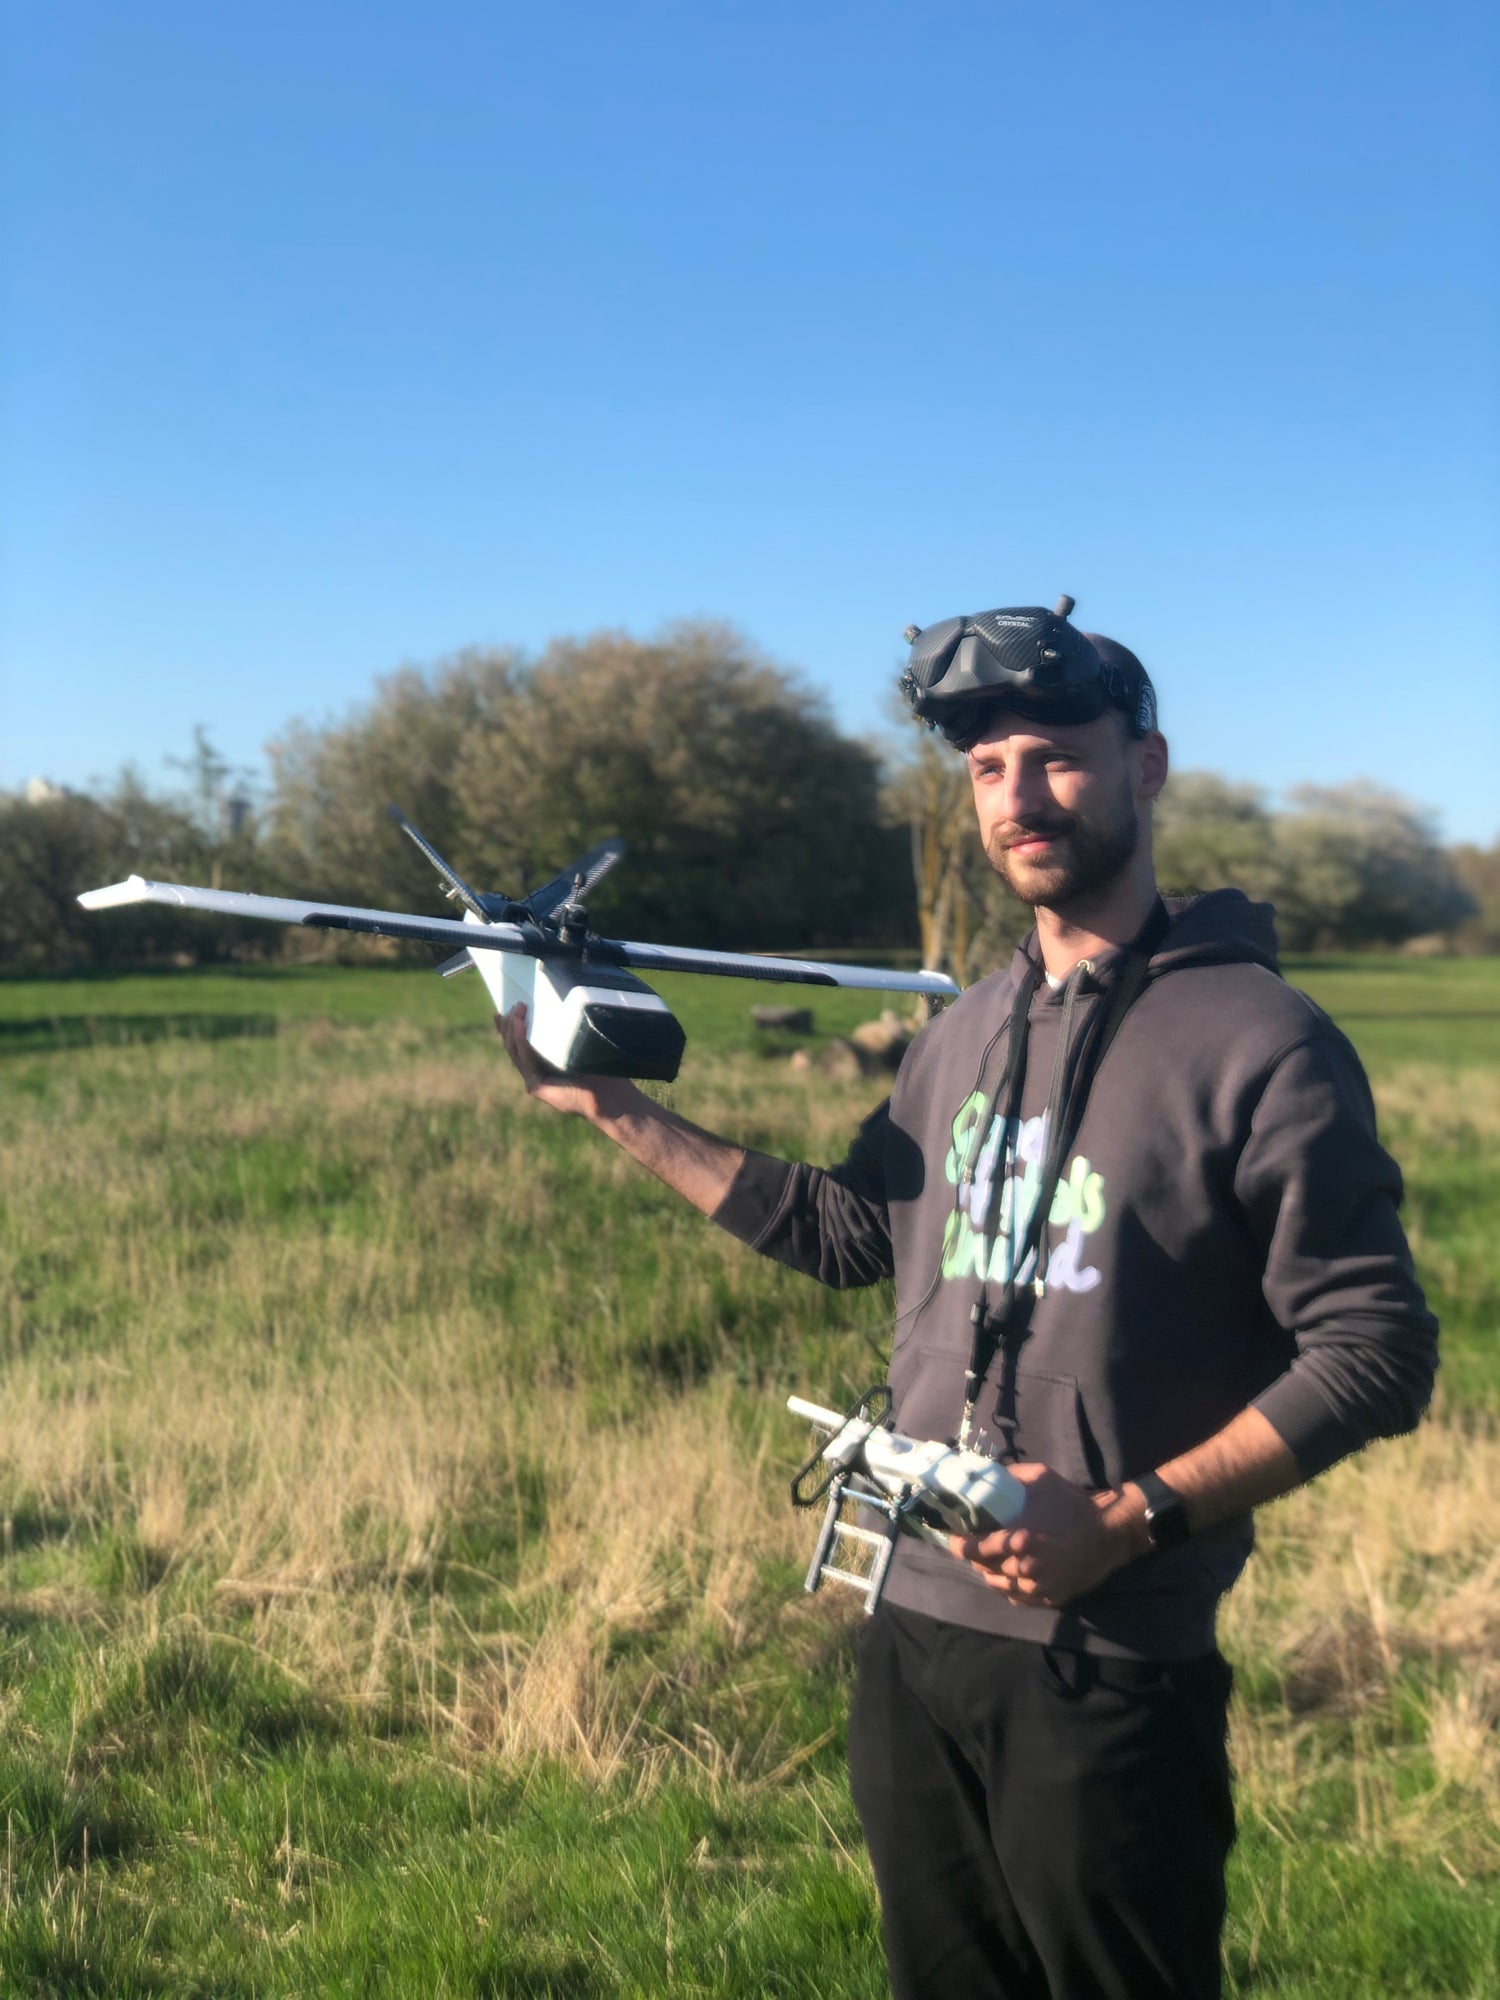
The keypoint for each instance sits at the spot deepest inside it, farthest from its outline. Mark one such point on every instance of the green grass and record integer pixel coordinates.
(1395, 1010)
(253, 1000)
(329, 1877)
(346, 1646)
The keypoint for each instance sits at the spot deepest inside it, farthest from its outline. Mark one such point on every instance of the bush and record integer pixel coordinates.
(749, 819)
(1348, 866)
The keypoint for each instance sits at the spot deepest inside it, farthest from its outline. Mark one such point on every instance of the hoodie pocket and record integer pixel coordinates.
(928, 1385)
(1049, 1426)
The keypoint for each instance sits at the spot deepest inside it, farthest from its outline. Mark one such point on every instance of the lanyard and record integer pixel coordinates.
(1071, 1082)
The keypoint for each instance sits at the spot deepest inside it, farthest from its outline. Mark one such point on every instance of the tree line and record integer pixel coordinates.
(1347, 867)
(751, 820)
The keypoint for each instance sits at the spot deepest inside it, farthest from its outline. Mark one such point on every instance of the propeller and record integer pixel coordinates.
(458, 890)
(578, 880)
(559, 906)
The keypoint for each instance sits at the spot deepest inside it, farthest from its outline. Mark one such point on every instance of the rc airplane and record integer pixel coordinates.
(586, 1012)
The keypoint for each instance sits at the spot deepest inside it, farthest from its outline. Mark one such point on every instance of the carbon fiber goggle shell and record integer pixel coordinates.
(1027, 657)
(1027, 650)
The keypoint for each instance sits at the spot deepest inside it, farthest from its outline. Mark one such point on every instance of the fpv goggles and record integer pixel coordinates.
(1026, 659)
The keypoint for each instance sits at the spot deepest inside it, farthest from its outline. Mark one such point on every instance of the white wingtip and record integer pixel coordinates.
(134, 890)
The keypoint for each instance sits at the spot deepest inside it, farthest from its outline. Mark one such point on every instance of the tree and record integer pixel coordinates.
(52, 849)
(969, 921)
(929, 794)
(749, 818)
(1347, 866)
(327, 833)
(1360, 866)
(49, 851)
(219, 808)
(1211, 834)
(1478, 869)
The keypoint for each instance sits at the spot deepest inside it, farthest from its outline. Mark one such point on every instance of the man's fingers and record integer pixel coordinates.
(984, 1548)
(512, 1030)
(993, 1548)
(1018, 1589)
(534, 1070)
(1011, 1573)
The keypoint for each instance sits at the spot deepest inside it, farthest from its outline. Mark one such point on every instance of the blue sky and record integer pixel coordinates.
(337, 336)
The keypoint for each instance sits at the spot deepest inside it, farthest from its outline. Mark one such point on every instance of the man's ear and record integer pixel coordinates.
(1153, 763)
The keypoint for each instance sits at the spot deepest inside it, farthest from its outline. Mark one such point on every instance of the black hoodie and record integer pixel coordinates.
(1224, 1233)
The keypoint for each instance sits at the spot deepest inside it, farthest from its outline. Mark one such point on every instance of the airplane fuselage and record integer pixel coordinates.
(588, 1019)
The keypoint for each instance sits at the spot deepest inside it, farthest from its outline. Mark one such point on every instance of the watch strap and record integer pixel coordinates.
(1166, 1512)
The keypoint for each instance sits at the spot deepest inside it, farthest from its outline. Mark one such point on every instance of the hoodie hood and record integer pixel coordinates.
(1221, 927)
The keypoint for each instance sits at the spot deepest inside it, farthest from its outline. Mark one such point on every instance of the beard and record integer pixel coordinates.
(1089, 852)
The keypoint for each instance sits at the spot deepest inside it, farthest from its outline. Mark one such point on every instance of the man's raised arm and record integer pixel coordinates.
(830, 1223)
(692, 1162)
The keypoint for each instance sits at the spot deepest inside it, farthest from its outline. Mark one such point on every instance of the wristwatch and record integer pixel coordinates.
(1166, 1512)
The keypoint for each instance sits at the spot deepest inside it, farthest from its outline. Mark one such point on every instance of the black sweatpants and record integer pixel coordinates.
(1043, 1825)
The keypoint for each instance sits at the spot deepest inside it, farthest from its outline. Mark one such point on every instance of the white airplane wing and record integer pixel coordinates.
(320, 916)
(791, 971)
(473, 936)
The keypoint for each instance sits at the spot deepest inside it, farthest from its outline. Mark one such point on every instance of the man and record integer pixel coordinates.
(1146, 1250)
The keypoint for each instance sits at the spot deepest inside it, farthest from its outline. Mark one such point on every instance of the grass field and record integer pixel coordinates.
(397, 1591)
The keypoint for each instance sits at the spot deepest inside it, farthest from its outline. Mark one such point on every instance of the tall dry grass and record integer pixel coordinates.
(325, 1352)
(343, 1354)
(1371, 1615)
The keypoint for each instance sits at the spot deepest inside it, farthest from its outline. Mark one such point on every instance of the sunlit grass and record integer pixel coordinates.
(398, 1591)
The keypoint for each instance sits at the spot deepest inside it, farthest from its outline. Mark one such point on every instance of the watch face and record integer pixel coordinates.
(1167, 1526)
(1166, 1516)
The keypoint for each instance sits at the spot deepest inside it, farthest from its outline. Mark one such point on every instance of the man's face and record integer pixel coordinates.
(1061, 805)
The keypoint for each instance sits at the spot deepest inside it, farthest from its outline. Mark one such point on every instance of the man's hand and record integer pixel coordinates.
(698, 1166)
(1063, 1543)
(590, 1097)
(1066, 1540)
